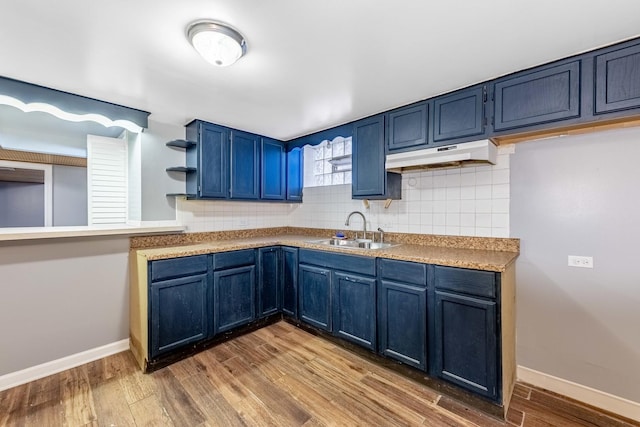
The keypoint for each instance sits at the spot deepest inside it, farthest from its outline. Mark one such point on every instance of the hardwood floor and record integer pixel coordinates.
(276, 376)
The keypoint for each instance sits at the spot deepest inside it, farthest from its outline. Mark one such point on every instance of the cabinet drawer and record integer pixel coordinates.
(472, 282)
(234, 259)
(403, 271)
(177, 267)
(353, 263)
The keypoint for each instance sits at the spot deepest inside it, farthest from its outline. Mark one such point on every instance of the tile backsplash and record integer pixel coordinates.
(468, 201)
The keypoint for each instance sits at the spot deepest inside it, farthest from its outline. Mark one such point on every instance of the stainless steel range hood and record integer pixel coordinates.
(482, 151)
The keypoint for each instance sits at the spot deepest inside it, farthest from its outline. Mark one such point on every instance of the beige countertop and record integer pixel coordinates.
(480, 259)
(37, 233)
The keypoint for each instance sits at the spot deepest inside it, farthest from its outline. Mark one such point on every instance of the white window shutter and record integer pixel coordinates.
(107, 180)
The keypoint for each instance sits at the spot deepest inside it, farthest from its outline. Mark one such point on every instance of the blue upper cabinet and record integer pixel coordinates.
(408, 128)
(617, 80)
(542, 95)
(295, 174)
(245, 165)
(224, 163)
(370, 180)
(460, 114)
(273, 174)
(210, 157)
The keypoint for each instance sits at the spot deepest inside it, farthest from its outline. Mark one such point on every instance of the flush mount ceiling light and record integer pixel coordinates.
(217, 43)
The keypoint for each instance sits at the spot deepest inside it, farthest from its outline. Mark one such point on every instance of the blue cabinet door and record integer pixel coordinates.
(408, 128)
(354, 308)
(459, 115)
(402, 322)
(245, 165)
(369, 179)
(368, 174)
(295, 174)
(269, 300)
(617, 80)
(466, 342)
(546, 94)
(213, 161)
(234, 296)
(178, 313)
(273, 170)
(290, 281)
(314, 303)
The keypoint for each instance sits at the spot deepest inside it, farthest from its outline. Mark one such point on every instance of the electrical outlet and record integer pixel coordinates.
(580, 261)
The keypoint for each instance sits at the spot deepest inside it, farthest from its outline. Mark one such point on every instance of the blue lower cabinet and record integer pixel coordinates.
(269, 300)
(179, 313)
(466, 342)
(234, 297)
(402, 322)
(354, 308)
(314, 300)
(289, 282)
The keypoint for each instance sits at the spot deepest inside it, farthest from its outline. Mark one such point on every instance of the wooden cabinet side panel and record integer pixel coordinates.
(508, 333)
(138, 308)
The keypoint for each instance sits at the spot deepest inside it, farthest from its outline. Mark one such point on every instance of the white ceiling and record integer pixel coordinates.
(310, 65)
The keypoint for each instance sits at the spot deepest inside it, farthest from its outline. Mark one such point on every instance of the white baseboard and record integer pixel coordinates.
(49, 368)
(588, 395)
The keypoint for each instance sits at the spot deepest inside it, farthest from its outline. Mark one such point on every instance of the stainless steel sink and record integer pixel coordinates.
(353, 244)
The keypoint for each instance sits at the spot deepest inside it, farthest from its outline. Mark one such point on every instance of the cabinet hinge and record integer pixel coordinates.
(484, 94)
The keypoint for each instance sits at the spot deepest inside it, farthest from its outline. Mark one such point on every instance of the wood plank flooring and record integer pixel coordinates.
(276, 376)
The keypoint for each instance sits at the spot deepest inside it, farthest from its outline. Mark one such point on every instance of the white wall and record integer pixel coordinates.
(579, 196)
(211, 215)
(134, 173)
(156, 182)
(69, 195)
(471, 201)
(61, 297)
(21, 204)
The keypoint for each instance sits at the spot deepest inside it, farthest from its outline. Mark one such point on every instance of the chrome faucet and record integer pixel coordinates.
(364, 223)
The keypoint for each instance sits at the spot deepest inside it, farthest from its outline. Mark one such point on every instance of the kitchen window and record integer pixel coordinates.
(328, 163)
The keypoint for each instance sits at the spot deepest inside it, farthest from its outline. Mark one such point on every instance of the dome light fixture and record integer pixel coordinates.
(217, 43)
